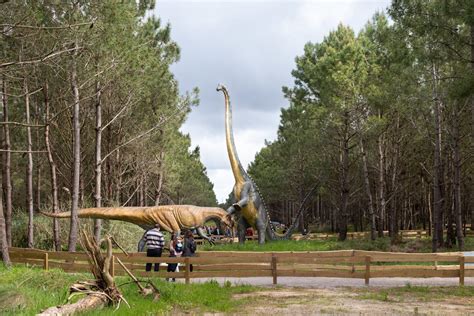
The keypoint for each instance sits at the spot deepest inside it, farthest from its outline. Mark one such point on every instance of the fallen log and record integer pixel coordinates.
(91, 302)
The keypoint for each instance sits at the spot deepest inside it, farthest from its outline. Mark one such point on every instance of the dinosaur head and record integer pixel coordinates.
(221, 87)
(228, 221)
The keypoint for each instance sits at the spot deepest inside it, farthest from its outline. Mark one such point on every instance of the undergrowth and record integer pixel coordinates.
(27, 291)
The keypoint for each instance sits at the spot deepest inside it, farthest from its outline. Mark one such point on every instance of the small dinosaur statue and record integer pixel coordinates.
(250, 207)
(172, 218)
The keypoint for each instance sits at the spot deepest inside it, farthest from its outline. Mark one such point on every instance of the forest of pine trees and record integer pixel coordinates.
(383, 120)
(90, 115)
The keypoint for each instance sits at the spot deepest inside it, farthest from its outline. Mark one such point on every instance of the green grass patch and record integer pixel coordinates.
(380, 244)
(415, 293)
(26, 291)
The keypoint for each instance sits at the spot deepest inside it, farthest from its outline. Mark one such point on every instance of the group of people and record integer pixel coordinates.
(217, 231)
(155, 243)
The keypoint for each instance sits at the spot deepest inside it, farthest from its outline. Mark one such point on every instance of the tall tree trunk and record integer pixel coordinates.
(3, 236)
(76, 158)
(37, 161)
(344, 181)
(159, 187)
(7, 181)
(368, 192)
(29, 171)
(381, 203)
(52, 166)
(457, 178)
(472, 126)
(393, 224)
(438, 203)
(98, 160)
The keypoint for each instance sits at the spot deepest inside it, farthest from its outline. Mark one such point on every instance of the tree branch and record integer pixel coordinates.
(39, 60)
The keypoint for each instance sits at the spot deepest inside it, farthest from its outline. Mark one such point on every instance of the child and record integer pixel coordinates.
(176, 250)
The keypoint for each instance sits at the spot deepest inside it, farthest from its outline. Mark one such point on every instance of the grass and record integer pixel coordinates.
(415, 293)
(380, 244)
(26, 291)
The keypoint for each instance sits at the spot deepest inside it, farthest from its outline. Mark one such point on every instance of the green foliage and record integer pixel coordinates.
(123, 64)
(26, 291)
(377, 91)
(380, 244)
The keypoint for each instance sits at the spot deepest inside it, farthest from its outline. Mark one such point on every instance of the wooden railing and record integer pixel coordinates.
(341, 264)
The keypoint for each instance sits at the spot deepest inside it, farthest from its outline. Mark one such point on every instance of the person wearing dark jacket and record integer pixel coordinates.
(189, 247)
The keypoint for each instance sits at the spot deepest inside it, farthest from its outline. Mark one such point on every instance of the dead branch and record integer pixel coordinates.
(100, 292)
(39, 59)
(34, 27)
(22, 124)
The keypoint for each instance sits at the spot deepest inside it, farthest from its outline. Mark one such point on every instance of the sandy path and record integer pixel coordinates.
(318, 283)
(343, 301)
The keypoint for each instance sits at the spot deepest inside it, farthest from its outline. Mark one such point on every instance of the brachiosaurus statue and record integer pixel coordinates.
(250, 206)
(172, 218)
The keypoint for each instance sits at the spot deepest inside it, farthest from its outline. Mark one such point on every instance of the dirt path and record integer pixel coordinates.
(346, 301)
(318, 283)
(337, 296)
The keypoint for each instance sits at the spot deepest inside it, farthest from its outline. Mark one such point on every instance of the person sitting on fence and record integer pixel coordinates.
(154, 245)
(176, 250)
(189, 247)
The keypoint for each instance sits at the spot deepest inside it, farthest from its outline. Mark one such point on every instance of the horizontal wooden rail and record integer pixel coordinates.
(342, 264)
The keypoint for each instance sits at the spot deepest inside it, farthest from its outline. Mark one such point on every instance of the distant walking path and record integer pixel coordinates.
(315, 282)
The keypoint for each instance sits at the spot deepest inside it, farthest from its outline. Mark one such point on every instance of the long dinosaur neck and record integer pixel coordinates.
(237, 170)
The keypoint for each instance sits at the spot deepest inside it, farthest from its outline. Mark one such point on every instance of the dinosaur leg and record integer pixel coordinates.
(241, 228)
(261, 231)
(203, 235)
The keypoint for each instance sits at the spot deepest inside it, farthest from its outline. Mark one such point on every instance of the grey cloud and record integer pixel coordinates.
(250, 46)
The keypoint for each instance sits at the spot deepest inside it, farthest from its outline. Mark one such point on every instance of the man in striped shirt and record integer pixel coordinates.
(154, 243)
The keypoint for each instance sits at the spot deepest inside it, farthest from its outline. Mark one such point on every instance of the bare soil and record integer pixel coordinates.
(348, 301)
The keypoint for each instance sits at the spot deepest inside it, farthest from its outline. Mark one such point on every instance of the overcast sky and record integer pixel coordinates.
(249, 46)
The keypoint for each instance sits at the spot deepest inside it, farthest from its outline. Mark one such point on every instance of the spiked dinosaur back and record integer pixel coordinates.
(241, 176)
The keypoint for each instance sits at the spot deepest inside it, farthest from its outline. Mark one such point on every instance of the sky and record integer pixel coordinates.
(249, 46)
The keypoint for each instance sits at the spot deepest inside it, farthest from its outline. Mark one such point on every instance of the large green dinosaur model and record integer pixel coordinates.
(172, 218)
(250, 206)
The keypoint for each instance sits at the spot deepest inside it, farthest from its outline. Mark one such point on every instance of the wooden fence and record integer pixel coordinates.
(341, 264)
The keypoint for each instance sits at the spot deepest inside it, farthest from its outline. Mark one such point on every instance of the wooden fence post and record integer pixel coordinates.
(367, 269)
(45, 262)
(353, 264)
(187, 271)
(461, 270)
(274, 268)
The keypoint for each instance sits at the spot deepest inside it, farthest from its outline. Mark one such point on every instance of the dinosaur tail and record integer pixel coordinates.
(273, 235)
(136, 215)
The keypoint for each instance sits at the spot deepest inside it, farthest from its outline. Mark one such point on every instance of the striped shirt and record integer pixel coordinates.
(154, 239)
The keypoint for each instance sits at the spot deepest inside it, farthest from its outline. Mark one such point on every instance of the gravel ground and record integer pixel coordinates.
(322, 283)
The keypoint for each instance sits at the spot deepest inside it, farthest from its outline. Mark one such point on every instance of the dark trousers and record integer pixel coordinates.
(153, 253)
